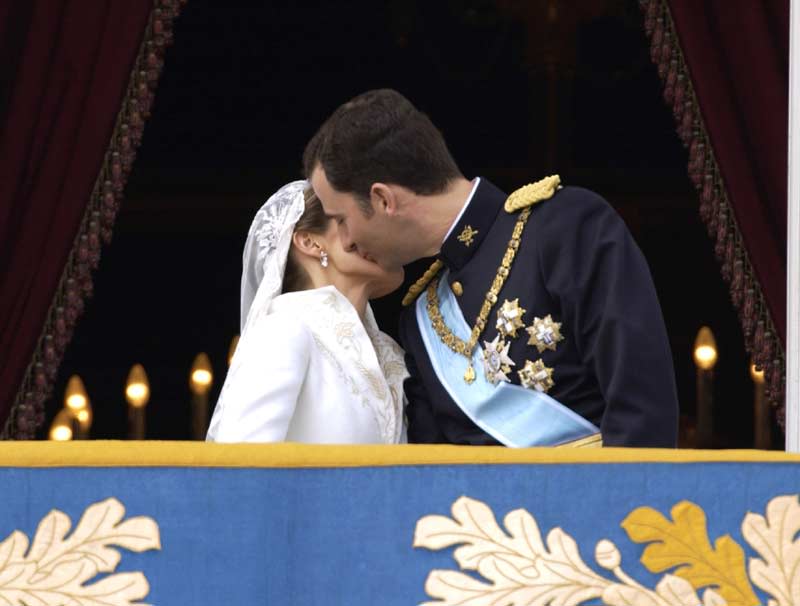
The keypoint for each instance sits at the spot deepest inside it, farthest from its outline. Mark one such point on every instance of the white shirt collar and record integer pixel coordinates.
(463, 208)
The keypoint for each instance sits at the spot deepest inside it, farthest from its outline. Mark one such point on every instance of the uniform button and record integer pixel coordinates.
(458, 290)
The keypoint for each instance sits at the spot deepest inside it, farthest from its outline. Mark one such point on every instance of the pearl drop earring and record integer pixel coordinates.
(323, 259)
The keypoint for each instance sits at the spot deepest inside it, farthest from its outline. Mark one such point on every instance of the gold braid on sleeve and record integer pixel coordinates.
(532, 193)
(420, 284)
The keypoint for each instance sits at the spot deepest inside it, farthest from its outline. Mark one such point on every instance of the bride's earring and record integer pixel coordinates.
(323, 259)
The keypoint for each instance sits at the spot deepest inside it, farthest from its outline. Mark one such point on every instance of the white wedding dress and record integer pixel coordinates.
(311, 371)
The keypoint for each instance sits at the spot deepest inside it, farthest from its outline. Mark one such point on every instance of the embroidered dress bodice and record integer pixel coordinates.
(309, 370)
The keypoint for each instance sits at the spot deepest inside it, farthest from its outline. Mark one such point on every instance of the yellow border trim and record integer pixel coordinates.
(593, 441)
(201, 454)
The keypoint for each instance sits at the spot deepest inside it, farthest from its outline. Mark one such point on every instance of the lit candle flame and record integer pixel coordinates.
(137, 389)
(201, 377)
(705, 349)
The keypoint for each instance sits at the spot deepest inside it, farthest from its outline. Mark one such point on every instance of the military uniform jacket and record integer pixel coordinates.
(578, 263)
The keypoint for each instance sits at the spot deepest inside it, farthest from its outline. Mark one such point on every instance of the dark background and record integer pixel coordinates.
(520, 90)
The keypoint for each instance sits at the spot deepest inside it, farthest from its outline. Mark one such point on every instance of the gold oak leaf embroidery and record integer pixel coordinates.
(683, 545)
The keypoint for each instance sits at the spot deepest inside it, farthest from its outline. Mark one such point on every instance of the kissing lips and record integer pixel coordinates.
(364, 255)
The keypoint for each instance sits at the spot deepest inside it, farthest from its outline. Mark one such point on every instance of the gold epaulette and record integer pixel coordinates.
(532, 193)
(422, 283)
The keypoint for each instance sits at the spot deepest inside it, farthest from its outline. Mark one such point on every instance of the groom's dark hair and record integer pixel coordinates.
(379, 136)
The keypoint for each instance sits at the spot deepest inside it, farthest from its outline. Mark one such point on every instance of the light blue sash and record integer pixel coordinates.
(511, 414)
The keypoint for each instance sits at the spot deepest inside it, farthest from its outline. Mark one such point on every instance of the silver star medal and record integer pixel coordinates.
(535, 375)
(545, 333)
(496, 363)
(509, 318)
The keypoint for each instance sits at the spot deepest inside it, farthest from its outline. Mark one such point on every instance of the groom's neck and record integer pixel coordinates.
(438, 212)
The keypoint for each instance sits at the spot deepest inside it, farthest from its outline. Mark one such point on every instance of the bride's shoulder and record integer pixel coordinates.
(304, 310)
(313, 303)
(281, 326)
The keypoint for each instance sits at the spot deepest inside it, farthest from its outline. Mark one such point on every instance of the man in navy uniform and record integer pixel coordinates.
(538, 324)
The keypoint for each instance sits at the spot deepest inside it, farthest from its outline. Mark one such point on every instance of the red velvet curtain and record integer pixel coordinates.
(76, 81)
(725, 66)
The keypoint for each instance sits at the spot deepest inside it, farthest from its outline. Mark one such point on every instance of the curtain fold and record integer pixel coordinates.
(76, 83)
(725, 69)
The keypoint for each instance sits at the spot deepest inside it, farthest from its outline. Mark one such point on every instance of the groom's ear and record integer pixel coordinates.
(384, 198)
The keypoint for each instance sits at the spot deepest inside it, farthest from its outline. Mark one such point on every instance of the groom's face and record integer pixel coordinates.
(358, 233)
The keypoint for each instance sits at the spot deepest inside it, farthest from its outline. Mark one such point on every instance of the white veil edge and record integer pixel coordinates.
(263, 265)
(267, 248)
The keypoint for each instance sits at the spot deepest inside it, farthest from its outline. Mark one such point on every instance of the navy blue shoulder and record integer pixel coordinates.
(574, 212)
(571, 202)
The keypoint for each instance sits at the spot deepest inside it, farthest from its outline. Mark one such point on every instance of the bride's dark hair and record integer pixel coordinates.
(312, 220)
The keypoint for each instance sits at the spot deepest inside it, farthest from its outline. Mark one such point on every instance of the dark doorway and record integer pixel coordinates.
(520, 90)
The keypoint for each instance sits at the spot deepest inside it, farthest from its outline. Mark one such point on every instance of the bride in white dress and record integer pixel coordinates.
(311, 364)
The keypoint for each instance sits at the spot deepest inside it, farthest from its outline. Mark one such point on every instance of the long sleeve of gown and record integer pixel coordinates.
(264, 382)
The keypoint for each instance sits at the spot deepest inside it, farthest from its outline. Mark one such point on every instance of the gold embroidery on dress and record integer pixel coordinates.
(372, 387)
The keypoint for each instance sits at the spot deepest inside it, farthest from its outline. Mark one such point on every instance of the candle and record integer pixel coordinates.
(200, 381)
(137, 393)
(705, 357)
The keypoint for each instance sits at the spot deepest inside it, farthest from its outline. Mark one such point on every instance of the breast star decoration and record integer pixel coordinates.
(467, 235)
(496, 363)
(509, 318)
(544, 333)
(535, 375)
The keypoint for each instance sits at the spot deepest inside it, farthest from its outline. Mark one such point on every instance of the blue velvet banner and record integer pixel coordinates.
(346, 535)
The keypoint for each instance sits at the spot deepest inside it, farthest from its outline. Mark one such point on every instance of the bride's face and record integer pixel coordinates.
(351, 265)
